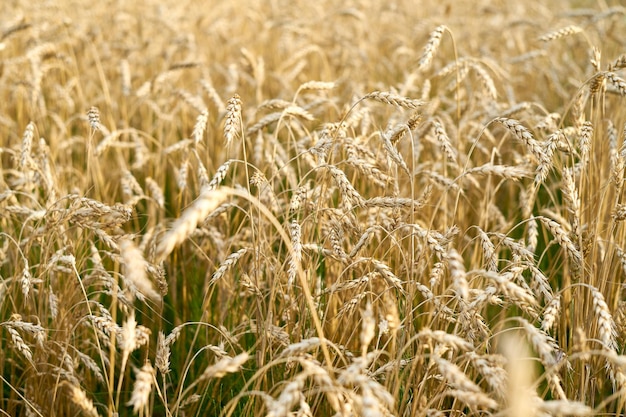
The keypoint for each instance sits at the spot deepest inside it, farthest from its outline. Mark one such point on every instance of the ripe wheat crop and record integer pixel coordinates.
(331, 208)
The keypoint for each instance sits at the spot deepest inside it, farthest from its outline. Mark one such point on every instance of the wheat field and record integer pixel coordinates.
(331, 208)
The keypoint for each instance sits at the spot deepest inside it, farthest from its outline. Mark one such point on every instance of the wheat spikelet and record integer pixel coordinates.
(560, 33)
(431, 47)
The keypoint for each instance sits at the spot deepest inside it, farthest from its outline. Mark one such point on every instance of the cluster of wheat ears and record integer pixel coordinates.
(333, 208)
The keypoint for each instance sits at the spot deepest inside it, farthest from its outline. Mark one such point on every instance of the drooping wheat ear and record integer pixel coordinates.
(296, 257)
(393, 153)
(79, 397)
(545, 161)
(431, 47)
(18, 343)
(523, 135)
(606, 326)
(232, 127)
(295, 349)
(135, 269)
(513, 173)
(544, 345)
(200, 126)
(394, 99)
(228, 263)
(182, 228)
(441, 337)
(560, 33)
(226, 365)
(550, 314)
(563, 239)
(348, 192)
(143, 387)
(444, 141)
(455, 377)
(316, 85)
(487, 82)
(617, 82)
(213, 95)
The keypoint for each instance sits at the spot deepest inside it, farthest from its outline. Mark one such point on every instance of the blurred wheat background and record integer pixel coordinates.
(292, 208)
